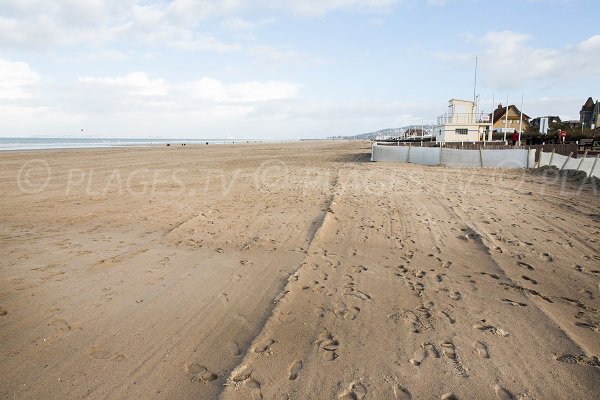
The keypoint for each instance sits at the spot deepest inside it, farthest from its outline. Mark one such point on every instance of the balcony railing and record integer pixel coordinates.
(464, 118)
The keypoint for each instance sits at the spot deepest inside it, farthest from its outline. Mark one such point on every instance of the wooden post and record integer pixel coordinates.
(551, 157)
(566, 161)
(441, 151)
(408, 156)
(581, 162)
(481, 157)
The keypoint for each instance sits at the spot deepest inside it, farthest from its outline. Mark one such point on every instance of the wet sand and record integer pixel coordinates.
(292, 271)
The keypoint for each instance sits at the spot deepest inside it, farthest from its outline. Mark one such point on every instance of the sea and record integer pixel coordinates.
(41, 143)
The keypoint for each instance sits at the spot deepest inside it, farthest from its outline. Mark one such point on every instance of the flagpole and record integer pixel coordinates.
(492, 120)
(506, 118)
(521, 120)
(475, 84)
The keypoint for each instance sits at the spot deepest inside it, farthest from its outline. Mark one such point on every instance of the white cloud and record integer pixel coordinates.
(508, 61)
(35, 24)
(15, 77)
(322, 7)
(269, 55)
(238, 24)
(215, 90)
(40, 24)
(136, 83)
(186, 39)
(207, 89)
(107, 55)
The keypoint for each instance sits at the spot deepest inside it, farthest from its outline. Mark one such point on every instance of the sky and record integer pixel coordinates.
(277, 69)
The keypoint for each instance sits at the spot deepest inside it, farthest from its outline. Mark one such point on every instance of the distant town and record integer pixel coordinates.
(463, 123)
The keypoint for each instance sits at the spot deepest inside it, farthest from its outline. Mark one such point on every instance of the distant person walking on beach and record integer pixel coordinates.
(515, 137)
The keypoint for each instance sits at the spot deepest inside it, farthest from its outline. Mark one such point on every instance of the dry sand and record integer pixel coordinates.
(292, 271)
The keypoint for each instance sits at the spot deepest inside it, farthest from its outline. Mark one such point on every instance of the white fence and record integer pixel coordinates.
(511, 158)
(591, 166)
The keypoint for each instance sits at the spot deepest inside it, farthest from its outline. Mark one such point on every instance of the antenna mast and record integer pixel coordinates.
(475, 84)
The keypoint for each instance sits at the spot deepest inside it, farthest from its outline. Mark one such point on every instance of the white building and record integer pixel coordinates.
(461, 123)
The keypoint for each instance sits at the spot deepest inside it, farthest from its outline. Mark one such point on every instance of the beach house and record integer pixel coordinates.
(510, 123)
(589, 116)
(461, 123)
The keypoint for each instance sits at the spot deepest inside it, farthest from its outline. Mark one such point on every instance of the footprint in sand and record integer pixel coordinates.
(295, 370)
(419, 274)
(456, 295)
(495, 276)
(224, 299)
(329, 344)
(579, 359)
(448, 316)
(430, 348)
(482, 349)
(106, 355)
(199, 373)
(350, 289)
(359, 269)
(401, 393)
(314, 286)
(411, 319)
(502, 393)
(547, 257)
(254, 387)
(356, 391)
(589, 325)
(529, 279)
(525, 265)
(418, 357)
(343, 311)
(482, 326)
(263, 346)
(514, 303)
(60, 325)
(448, 349)
(234, 349)
(449, 396)
(241, 373)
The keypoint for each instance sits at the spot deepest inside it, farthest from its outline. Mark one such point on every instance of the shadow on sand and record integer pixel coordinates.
(359, 157)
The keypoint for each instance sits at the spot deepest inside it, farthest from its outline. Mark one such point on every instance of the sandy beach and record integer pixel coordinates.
(293, 271)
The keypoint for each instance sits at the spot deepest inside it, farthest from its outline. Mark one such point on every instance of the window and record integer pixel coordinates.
(461, 131)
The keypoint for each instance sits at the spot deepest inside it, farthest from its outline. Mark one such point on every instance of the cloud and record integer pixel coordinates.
(215, 90)
(34, 24)
(507, 60)
(107, 55)
(15, 78)
(136, 83)
(206, 89)
(238, 24)
(186, 40)
(270, 55)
